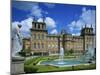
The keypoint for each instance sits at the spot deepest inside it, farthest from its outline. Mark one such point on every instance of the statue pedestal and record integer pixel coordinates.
(17, 65)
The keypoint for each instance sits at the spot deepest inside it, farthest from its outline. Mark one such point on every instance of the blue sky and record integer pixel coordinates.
(57, 16)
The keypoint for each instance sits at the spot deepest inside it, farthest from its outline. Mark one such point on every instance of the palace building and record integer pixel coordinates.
(42, 43)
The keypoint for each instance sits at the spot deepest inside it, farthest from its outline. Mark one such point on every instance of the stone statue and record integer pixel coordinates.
(17, 64)
(16, 40)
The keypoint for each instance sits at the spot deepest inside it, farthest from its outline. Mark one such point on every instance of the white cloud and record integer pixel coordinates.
(84, 9)
(49, 5)
(40, 20)
(77, 34)
(75, 26)
(36, 11)
(54, 31)
(86, 18)
(26, 6)
(50, 22)
(26, 25)
(31, 7)
(14, 24)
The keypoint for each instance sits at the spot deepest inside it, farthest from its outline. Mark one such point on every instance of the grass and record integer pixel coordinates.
(32, 67)
(48, 68)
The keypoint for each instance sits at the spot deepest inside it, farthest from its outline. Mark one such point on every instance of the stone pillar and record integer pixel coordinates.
(36, 26)
(17, 65)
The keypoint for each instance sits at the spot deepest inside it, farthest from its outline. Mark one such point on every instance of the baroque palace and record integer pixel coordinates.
(42, 43)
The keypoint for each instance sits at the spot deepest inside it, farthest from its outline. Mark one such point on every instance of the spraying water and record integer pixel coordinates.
(61, 56)
(89, 55)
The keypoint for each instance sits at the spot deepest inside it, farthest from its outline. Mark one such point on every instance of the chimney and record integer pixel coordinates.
(34, 19)
(85, 25)
(91, 25)
(43, 19)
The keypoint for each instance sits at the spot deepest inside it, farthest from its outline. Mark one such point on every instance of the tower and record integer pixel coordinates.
(38, 38)
(88, 37)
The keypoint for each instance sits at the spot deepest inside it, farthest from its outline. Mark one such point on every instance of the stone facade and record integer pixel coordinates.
(17, 65)
(39, 38)
(42, 43)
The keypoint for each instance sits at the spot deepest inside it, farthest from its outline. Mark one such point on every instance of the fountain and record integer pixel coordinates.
(61, 62)
(89, 55)
(61, 56)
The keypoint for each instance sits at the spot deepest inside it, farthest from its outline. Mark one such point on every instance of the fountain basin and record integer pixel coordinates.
(63, 63)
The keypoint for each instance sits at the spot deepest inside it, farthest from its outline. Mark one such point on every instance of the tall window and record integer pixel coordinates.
(34, 36)
(42, 26)
(38, 45)
(42, 36)
(38, 36)
(42, 45)
(34, 25)
(34, 45)
(38, 26)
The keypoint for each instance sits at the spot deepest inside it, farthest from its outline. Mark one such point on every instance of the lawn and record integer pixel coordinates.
(32, 67)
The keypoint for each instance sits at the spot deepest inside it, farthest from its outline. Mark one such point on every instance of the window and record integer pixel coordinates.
(38, 36)
(42, 36)
(42, 26)
(34, 36)
(38, 45)
(34, 25)
(34, 45)
(88, 30)
(42, 45)
(38, 26)
(49, 46)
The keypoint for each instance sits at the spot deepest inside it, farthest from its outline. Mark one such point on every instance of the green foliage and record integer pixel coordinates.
(30, 69)
(32, 61)
(71, 51)
(25, 53)
(49, 68)
(85, 67)
(36, 61)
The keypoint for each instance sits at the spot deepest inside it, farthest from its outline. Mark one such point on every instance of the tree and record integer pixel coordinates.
(71, 51)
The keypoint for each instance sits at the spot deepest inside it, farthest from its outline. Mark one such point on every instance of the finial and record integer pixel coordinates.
(34, 18)
(43, 19)
(85, 25)
(82, 27)
(91, 25)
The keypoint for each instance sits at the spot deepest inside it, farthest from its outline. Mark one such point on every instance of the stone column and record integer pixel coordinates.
(17, 65)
